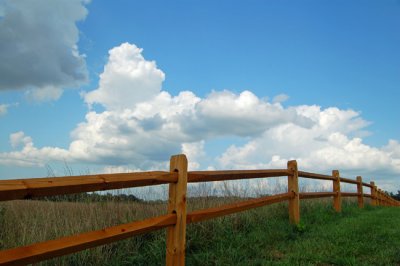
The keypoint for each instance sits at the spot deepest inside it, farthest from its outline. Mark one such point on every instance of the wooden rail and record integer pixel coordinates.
(38, 187)
(205, 176)
(176, 219)
(66, 245)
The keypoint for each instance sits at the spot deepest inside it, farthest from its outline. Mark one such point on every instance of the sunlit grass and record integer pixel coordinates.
(260, 236)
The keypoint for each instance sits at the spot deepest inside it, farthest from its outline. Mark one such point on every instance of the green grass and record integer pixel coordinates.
(262, 236)
(354, 237)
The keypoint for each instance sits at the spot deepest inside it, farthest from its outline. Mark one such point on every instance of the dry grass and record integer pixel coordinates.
(26, 222)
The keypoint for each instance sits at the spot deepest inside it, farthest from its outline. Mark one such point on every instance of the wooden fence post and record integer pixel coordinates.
(337, 198)
(176, 235)
(293, 186)
(360, 192)
(373, 194)
(379, 196)
(385, 198)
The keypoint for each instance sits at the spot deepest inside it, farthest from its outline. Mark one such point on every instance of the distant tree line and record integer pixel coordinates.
(92, 197)
(395, 196)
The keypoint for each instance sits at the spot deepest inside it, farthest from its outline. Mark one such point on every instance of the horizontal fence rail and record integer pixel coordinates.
(313, 195)
(67, 245)
(315, 176)
(206, 176)
(39, 187)
(176, 219)
(211, 213)
(347, 180)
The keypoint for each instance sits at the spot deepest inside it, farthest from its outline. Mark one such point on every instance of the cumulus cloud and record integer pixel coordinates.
(38, 46)
(19, 139)
(29, 155)
(194, 152)
(325, 146)
(393, 148)
(142, 126)
(127, 79)
(225, 113)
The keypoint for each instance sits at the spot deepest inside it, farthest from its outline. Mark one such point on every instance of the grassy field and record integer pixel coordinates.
(258, 237)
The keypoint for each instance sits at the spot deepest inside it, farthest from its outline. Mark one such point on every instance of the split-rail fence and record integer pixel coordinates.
(176, 218)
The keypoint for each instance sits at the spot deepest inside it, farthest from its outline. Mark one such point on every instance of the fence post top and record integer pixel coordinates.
(182, 156)
(335, 173)
(292, 163)
(179, 157)
(359, 178)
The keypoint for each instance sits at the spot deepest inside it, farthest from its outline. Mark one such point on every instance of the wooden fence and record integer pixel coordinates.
(176, 218)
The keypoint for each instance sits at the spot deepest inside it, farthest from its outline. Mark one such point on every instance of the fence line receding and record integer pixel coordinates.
(177, 217)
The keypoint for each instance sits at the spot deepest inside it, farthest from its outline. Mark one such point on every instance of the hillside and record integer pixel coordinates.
(258, 237)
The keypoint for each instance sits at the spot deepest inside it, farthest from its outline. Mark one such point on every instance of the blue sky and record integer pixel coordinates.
(213, 72)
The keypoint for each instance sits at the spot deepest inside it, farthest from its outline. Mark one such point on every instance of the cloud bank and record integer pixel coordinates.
(38, 47)
(142, 125)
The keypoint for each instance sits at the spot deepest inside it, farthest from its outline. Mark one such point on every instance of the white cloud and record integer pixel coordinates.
(194, 152)
(320, 148)
(393, 148)
(38, 46)
(19, 139)
(148, 132)
(127, 79)
(228, 114)
(142, 126)
(29, 155)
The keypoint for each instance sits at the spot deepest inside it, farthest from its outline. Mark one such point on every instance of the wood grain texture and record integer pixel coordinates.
(337, 198)
(206, 214)
(176, 235)
(38, 187)
(313, 195)
(348, 180)
(367, 185)
(379, 197)
(293, 187)
(373, 194)
(206, 176)
(315, 176)
(360, 192)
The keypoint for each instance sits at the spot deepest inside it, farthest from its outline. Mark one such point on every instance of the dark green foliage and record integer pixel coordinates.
(395, 196)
